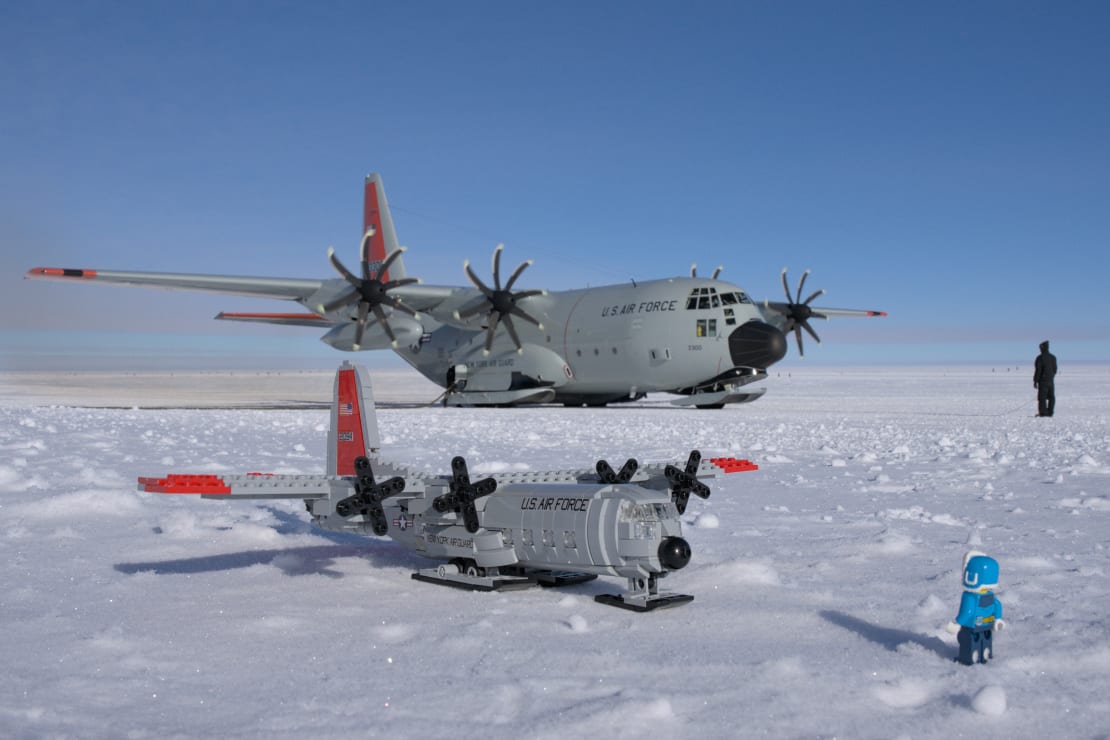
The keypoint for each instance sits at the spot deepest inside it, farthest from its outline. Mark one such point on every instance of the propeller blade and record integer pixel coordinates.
(389, 261)
(489, 333)
(364, 248)
(398, 283)
(694, 269)
(472, 311)
(508, 322)
(363, 310)
(476, 280)
(385, 325)
(811, 332)
(497, 266)
(396, 304)
(342, 300)
(347, 274)
(802, 284)
(718, 271)
(516, 273)
(812, 295)
(798, 339)
(815, 315)
(786, 288)
(518, 311)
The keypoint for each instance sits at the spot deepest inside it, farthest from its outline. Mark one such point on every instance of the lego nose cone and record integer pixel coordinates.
(674, 553)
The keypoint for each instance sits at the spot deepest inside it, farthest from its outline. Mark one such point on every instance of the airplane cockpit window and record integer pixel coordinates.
(700, 298)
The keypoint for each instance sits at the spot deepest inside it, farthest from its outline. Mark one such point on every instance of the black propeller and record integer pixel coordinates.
(500, 303)
(694, 270)
(685, 482)
(463, 493)
(606, 474)
(369, 495)
(799, 314)
(369, 291)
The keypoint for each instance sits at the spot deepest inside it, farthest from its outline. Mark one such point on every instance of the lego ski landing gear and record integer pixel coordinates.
(466, 574)
(643, 596)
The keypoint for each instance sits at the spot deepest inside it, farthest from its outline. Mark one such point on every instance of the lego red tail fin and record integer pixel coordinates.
(377, 221)
(354, 423)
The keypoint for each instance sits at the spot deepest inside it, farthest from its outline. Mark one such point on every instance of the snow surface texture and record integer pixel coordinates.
(823, 581)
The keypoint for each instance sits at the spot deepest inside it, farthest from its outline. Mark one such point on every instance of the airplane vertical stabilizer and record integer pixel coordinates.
(354, 422)
(375, 214)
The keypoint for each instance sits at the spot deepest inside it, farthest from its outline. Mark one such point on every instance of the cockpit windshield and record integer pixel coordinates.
(700, 298)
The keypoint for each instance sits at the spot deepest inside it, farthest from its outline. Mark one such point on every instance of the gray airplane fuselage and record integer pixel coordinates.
(611, 343)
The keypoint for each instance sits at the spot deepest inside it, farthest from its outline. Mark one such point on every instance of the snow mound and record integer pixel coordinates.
(991, 701)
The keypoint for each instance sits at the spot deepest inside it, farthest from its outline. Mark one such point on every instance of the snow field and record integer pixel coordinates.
(822, 581)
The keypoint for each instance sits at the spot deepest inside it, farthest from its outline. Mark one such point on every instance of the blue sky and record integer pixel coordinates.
(946, 162)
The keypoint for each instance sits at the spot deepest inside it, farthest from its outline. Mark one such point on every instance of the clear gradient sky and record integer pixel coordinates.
(946, 162)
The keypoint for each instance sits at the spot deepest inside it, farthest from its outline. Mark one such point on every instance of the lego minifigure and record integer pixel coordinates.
(980, 612)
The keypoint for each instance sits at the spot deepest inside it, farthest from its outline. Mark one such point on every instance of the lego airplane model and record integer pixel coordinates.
(512, 530)
(701, 338)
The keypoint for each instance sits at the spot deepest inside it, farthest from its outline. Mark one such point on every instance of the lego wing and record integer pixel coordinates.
(249, 486)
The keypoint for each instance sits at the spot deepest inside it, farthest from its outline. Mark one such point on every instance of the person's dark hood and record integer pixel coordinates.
(1044, 346)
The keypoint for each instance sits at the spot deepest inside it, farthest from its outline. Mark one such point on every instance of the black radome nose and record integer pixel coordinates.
(756, 344)
(674, 553)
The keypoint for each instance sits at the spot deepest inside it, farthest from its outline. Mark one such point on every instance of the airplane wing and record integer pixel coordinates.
(291, 289)
(285, 319)
(785, 308)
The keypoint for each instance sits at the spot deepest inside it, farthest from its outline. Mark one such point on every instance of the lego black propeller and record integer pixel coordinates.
(798, 314)
(500, 303)
(463, 494)
(369, 495)
(606, 474)
(369, 291)
(685, 482)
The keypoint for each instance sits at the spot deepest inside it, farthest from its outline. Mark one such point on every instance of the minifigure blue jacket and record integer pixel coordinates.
(979, 609)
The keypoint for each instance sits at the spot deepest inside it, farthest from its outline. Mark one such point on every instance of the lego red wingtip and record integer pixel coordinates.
(733, 465)
(176, 483)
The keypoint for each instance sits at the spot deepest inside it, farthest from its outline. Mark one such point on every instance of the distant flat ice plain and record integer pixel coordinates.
(822, 581)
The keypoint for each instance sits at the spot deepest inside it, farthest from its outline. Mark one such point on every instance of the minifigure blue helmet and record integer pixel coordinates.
(980, 571)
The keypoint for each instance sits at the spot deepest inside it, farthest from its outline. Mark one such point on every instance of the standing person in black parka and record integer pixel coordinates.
(1044, 379)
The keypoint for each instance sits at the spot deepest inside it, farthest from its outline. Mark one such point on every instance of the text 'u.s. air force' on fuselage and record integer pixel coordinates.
(701, 338)
(509, 530)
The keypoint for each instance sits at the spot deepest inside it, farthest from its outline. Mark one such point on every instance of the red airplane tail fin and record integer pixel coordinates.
(354, 423)
(383, 240)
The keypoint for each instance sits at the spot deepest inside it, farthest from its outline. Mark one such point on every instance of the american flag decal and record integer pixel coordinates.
(346, 409)
(346, 436)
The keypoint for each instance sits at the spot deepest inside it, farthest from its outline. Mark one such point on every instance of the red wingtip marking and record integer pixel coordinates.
(62, 272)
(291, 316)
(878, 313)
(733, 465)
(175, 483)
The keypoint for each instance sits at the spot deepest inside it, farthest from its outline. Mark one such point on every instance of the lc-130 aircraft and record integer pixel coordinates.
(701, 338)
(512, 530)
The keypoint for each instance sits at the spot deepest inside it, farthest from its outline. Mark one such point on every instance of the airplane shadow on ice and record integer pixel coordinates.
(294, 561)
(886, 637)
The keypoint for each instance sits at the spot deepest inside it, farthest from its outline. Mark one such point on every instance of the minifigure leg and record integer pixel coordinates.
(966, 640)
(986, 646)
